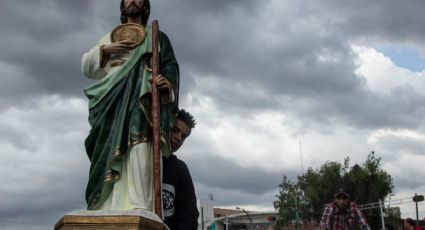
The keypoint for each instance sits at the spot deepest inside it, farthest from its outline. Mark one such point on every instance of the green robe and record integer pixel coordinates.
(120, 112)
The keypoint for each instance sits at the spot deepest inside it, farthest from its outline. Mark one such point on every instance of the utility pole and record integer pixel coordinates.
(301, 157)
(417, 214)
(417, 198)
(202, 218)
(296, 213)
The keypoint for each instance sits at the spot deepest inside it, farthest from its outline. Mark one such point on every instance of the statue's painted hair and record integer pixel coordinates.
(145, 14)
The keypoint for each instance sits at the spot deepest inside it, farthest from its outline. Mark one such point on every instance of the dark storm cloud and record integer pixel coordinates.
(402, 107)
(389, 20)
(312, 62)
(229, 197)
(47, 194)
(411, 180)
(403, 144)
(242, 46)
(45, 40)
(46, 169)
(62, 197)
(42, 46)
(210, 170)
(44, 20)
(300, 54)
(230, 182)
(41, 193)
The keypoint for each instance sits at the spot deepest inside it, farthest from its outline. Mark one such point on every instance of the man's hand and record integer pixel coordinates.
(121, 47)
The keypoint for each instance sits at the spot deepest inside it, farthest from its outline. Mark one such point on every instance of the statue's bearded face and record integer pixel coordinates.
(133, 8)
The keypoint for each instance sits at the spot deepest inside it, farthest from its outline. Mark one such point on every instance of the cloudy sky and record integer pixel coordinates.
(270, 82)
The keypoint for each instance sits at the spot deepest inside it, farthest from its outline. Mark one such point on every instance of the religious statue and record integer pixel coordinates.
(119, 144)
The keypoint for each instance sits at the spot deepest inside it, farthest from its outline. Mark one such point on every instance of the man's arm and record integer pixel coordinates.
(185, 213)
(360, 219)
(326, 218)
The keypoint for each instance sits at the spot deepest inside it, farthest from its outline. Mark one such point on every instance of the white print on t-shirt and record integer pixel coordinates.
(168, 196)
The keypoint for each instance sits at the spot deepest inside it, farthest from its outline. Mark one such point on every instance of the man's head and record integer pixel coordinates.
(409, 223)
(181, 130)
(341, 199)
(135, 8)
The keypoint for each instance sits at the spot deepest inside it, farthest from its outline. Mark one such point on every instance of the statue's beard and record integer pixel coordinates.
(133, 11)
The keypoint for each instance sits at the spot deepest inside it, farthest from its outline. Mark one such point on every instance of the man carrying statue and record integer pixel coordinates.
(119, 145)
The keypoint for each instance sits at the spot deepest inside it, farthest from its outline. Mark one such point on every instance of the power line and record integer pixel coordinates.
(301, 156)
(397, 202)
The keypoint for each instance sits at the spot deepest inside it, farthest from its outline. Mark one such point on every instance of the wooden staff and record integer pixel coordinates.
(156, 123)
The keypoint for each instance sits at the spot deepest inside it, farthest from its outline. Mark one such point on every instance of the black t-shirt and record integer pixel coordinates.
(178, 195)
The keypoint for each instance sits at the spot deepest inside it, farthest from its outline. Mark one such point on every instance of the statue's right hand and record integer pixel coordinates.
(121, 47)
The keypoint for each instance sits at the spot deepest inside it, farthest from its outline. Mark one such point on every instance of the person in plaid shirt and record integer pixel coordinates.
(342, 214)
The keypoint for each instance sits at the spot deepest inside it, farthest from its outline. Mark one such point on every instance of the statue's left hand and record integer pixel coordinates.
(162, 84)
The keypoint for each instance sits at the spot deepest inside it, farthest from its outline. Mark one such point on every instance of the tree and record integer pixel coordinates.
(290, 203)
(366, 183)
(373, 184)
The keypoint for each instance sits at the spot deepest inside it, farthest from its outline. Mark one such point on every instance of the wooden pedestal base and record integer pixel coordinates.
(123, 220)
